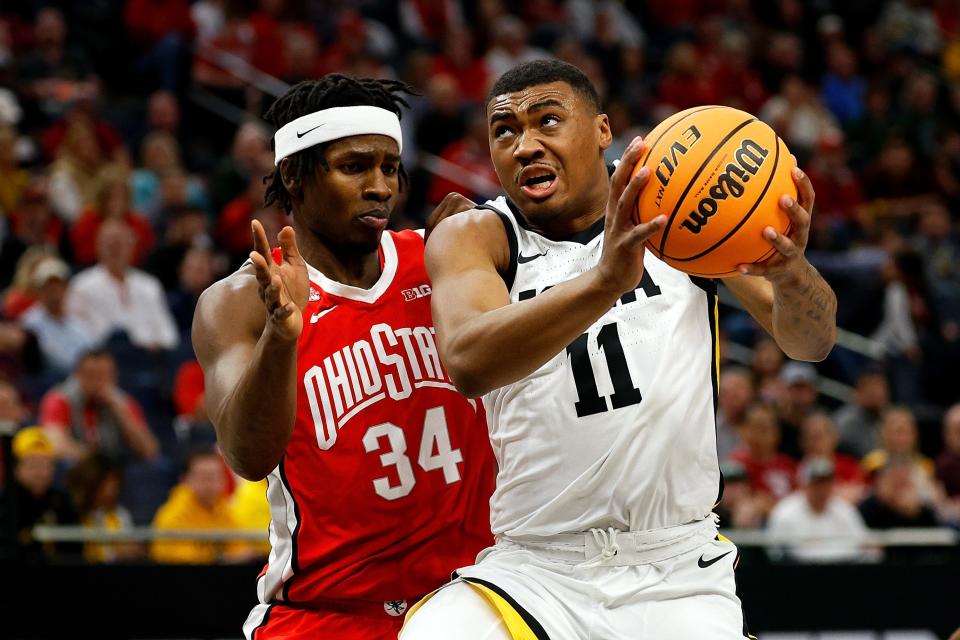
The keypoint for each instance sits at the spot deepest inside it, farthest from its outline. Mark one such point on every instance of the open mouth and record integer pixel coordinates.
(538, 182)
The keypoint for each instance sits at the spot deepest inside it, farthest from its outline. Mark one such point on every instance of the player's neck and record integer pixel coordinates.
(341, 264)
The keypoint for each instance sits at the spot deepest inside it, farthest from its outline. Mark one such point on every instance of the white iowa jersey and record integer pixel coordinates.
(619, 429)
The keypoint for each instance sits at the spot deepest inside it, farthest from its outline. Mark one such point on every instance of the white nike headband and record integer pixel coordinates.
(333, 124)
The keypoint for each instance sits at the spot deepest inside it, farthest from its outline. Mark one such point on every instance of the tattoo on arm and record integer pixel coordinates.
(805, 311)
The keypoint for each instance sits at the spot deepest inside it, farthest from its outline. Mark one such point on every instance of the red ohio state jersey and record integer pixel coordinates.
(384, 488)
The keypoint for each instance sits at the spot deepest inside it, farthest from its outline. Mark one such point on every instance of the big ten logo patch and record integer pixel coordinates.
(417, 292)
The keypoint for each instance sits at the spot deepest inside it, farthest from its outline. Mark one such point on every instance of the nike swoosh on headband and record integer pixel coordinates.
(300, 135)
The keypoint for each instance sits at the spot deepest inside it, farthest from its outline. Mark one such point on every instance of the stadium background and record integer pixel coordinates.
(133, 127)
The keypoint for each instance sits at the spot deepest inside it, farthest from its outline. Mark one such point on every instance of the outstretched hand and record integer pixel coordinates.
(621, 264)
(284, 287)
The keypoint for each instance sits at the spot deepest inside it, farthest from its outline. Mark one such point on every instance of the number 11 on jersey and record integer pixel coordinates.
(625, 392)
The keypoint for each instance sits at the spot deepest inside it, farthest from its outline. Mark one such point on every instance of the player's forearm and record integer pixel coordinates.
(804, 314)
(498, 347)
(255, 420)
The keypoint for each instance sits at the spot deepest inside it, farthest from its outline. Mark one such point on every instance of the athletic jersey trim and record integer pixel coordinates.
(370, 295)
(709, 287)
(512, 242)
(532, 622)
(294, 565)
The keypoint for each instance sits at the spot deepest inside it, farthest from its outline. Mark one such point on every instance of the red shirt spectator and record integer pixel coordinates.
(473, 174)
(774, 475)
(89, 412)
(188, 388)
(83, 236)
(838, 189)
(149, 21)
(112, 200)
(770, 472)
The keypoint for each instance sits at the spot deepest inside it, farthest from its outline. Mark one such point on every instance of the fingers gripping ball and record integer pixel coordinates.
(717, 174)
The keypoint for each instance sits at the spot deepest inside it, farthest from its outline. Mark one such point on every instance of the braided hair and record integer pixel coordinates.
(333, 90)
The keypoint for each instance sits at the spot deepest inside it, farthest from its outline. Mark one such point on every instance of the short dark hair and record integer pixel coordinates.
(198, 452)
(333, 90)
(93, 354)
(530, 74)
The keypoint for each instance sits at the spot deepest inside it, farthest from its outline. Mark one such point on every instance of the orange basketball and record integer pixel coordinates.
(717, 174)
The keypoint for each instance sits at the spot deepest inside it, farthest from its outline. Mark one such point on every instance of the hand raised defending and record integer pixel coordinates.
(284, 287)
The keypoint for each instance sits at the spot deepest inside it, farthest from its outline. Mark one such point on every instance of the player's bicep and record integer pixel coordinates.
(462, 258)
(226, 327)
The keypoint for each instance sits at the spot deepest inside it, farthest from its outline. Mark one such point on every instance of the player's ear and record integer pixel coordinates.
(290, 183)
(603, 127)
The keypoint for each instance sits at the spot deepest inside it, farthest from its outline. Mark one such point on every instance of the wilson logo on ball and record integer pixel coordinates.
(749, 158)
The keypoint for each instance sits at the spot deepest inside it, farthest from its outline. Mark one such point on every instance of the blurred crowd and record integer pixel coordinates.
(132, 158)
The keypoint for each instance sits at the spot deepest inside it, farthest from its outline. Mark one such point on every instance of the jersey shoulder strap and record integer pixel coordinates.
(505, 211)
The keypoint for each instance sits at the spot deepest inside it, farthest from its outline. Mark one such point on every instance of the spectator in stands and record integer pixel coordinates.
(895, 183)
(458, 61)
(797, 115)
(186, 227)
(162, 30)
(772, 474)
(113, 296)
(22, 293)
(94, 484)
(766, 364)
(818, 440)
(839, 194)
(735, 397)
(89, 412)
(199, 501)
(737, 78)
(160, 155)
(33, 228)
(843, 89)
(468, 169)
(62, 339)
(740, 507)
(800, 400)
(233, 225)
(74, 174)
(939, 247)
(13, 413)
(898, 441)
(948, 466)
(54, 74)
(111, 202)
(682, 84)
(196, 274)
(33, 500)
(251, 511)
(192, 424)
(905, 310)
(232, 176)
(897, 501)
(869, 134)
(446, 120)
(13, 179)
(858, 422)
(827, 528)
(510, 46)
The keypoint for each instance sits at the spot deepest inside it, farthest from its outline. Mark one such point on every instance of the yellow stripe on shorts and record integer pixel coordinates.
(512, 620)
(516, 626)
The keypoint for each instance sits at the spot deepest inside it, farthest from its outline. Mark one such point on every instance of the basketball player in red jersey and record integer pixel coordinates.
(322, 375)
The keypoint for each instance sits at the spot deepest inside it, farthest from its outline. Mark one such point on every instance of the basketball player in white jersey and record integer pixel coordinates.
(597, 364)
